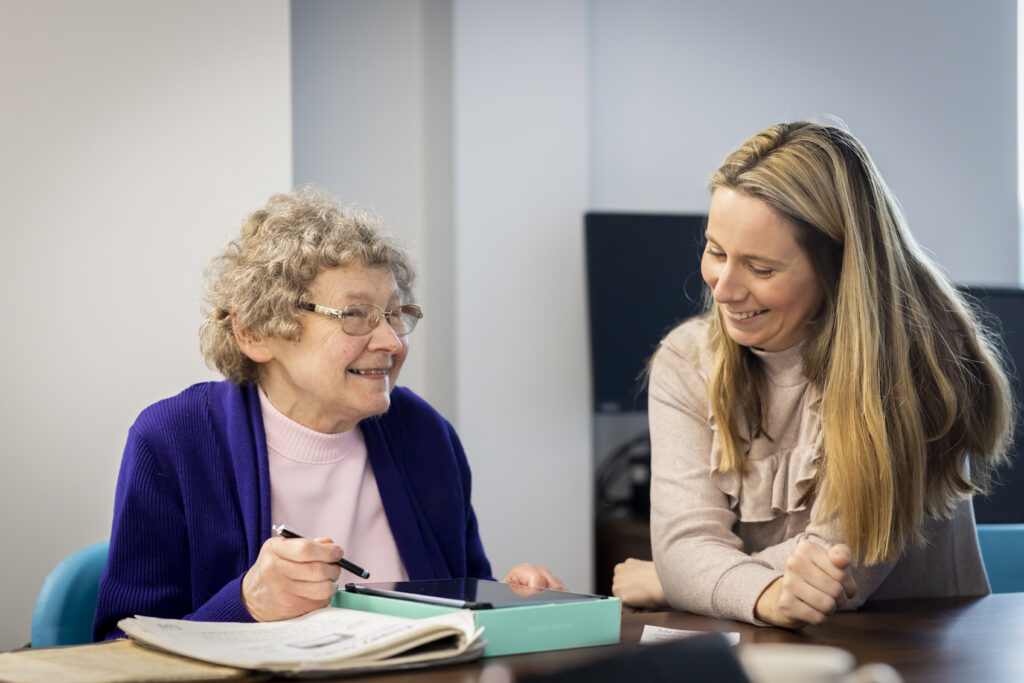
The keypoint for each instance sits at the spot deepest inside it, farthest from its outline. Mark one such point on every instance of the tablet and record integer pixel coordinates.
(468, 593)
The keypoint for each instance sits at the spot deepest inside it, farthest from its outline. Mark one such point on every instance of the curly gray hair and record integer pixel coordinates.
(255, 282)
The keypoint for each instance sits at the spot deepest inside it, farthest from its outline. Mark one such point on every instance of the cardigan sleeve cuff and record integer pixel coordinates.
(225, 605)
(738, 590)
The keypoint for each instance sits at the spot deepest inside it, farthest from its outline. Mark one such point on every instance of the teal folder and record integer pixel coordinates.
(514, 630)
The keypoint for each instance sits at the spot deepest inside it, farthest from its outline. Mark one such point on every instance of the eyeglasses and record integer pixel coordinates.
(362, 319)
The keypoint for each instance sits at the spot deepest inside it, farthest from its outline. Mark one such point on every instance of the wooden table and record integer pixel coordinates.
(947, 640)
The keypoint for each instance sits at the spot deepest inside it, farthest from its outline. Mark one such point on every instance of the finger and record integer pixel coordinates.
(520, 574)
(811, 585)
(535, 577)
(821, 560)
(541, 577)
(554, 583)
(849, 586)
(803, 604)
(840, 556)
(309, 571)
(823, 601)
(313, 591)
(269, 595)
(305, 550)
(809, 582)
(791, 612)
(276, 564)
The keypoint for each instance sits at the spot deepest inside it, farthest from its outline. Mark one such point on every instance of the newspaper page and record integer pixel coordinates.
(330, 638)
(112, 661)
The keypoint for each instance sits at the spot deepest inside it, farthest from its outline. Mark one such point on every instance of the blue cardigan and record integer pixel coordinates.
(192, 506)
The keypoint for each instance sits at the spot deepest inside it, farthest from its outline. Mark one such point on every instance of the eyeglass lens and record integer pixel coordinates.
(362, 319)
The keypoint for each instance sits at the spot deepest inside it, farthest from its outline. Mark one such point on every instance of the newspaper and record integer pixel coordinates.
(328, 639)
(112, 661)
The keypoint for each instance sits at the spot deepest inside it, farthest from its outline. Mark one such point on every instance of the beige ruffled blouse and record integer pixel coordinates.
(719, 539)
(780, 468)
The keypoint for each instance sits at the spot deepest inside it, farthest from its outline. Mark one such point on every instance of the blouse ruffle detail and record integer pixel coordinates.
(778, 474)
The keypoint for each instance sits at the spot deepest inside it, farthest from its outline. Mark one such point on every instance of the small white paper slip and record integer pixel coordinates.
(653, 635)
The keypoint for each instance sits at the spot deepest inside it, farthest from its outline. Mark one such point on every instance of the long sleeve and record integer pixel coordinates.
(477, 564)
(700, 560)
(719, 539)
(149, 569)
(191, 510)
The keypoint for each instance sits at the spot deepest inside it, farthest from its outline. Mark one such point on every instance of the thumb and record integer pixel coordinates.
(840, 556)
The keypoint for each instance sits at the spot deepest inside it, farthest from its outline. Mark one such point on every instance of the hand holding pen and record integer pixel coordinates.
(290, 578)
(289, 532)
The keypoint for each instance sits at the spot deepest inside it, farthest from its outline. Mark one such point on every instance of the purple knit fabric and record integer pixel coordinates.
(192, 506)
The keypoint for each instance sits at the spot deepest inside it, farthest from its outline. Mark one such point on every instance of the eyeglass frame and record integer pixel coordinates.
(343, 313)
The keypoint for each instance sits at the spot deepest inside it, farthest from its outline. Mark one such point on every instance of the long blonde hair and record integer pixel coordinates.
(916, 406)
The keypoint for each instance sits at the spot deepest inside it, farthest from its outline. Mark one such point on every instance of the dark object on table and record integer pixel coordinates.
(702, 658)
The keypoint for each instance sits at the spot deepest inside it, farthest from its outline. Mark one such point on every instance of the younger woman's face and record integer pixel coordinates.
(763, 283)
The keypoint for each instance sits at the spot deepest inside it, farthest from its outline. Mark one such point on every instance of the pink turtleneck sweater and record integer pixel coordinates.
(323, 485)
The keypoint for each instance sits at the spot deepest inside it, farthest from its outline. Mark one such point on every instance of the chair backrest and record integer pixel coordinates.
(66, 605)
(1002, 549)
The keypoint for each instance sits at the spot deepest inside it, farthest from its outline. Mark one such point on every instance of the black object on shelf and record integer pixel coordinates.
(630, 461)
(643, 278)
(1004, 309)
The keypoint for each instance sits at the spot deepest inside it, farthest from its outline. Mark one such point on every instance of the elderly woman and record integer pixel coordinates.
(817, 434)
(310, 312)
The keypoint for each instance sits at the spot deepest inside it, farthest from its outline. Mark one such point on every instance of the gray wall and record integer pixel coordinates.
(522, 378)
(929, 87)
(464, 124)
(134, 136)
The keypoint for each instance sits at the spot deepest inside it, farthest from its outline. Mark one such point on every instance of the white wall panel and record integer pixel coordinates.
(135, 137)
(522, 391)
(929, 87)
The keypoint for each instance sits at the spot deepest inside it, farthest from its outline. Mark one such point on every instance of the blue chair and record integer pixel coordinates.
(1002, 549)
(66, 605)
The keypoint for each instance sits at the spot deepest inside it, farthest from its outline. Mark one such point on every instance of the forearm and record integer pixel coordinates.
(707, 575)
(700, 561)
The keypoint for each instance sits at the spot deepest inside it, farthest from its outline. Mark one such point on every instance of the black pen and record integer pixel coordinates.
(289, 532)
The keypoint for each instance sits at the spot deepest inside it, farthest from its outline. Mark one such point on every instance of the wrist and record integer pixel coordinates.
(248, 591)
(766, 604)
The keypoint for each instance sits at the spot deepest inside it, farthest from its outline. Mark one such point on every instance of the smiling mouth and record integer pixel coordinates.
(745, 315)
(369, 371)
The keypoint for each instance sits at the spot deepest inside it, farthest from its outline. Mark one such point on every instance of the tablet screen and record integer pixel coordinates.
(467, 593)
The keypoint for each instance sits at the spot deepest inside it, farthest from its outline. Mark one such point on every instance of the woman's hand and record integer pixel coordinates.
(636, 584)
(291, 576)
(534, 576)
(816, 583)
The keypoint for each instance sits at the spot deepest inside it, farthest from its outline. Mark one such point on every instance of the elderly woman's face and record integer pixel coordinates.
(329, 380)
